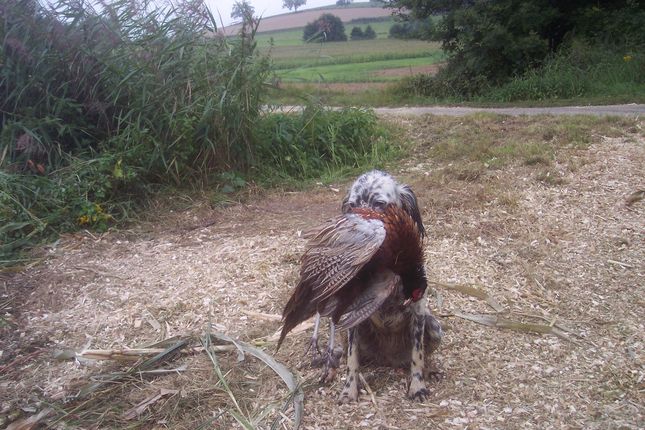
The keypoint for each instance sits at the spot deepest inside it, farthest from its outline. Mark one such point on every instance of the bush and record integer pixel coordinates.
(100, 105)
(327, 28)
(414, 29)
(491, 42)
(578, 70)
(320, 141)
(357, 34)
(101, 108)
(369, 33)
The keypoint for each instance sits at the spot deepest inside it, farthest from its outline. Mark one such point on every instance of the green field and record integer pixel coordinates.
(351, 61)
(355, 72)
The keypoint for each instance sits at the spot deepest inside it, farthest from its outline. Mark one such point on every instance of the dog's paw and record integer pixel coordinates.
(419, 395)
(350, 391)
(417, 390)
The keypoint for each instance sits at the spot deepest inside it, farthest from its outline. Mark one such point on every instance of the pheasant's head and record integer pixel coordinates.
(414, 285)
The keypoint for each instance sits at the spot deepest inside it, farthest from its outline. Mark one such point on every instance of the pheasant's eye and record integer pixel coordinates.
(417, 294)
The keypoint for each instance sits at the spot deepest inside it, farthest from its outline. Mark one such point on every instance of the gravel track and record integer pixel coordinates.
(631, 109)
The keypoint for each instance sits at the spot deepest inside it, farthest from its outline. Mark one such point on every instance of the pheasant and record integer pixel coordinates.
(374, 189)
(357, 266)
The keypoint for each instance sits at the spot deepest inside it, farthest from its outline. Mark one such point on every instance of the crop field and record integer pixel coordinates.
(351, 61)
(368, 71)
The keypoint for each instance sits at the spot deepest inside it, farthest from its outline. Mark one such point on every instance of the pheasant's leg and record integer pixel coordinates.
(316, 361)
(331, 358)
(417, 389)
(350, 389)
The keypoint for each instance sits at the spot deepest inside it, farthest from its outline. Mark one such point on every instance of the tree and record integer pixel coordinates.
(293, 4)
(369, 32)
(343, 2)
(488, 42)
(327, 28)
(241, 9)
(357, 34)
(413, 29)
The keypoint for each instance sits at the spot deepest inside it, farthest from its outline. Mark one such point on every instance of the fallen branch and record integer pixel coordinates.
(499, 322)
(634, 197)
(473, 292)
(139, 409)
(620, 264)
(262, 316)
(303, 327)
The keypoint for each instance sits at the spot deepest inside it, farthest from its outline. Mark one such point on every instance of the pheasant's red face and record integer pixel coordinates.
(417, 294)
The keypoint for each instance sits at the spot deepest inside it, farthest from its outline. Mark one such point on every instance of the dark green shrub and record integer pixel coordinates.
(491, 42)
(369, 33)
(357, 34)
(327, 28)
(578, 70)
(413, 29)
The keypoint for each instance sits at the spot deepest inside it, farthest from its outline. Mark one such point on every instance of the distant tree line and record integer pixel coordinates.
(357, 33)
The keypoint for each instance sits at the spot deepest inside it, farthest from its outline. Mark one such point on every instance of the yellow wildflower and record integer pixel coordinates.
(627, 58)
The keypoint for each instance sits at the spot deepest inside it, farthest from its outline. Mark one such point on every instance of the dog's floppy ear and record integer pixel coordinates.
(410, 205)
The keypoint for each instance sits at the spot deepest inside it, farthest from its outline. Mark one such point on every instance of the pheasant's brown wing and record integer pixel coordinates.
(381, 286)
(336, 252)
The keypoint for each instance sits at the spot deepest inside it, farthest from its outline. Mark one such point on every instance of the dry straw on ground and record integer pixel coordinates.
(539, 286)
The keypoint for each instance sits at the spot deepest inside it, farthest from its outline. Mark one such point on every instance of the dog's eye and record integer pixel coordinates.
(379, 205)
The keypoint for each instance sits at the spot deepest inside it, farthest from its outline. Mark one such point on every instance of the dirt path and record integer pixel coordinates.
(617, 110)
(630, 110)
(551, 239)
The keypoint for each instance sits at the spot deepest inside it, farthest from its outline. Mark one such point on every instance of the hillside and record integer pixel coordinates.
(301, 18)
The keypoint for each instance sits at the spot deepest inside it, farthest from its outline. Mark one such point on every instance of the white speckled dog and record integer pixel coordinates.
(398, 334)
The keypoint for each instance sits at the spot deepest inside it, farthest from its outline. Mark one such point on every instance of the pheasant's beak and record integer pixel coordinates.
(407, 302)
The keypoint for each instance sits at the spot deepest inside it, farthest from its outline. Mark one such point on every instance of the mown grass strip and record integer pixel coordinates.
(355, 72)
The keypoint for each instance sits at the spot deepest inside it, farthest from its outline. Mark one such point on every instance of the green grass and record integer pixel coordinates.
(292, 37)
(350, 52)
(354, 72)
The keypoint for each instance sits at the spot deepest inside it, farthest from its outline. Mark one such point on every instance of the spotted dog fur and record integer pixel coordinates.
(394, 336)
(376, 189)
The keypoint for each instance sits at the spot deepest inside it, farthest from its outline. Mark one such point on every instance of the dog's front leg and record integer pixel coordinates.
(417, 389)
(350, 389)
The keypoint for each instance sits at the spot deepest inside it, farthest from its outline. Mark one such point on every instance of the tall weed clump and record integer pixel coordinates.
(319, 142)
(99, 103)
